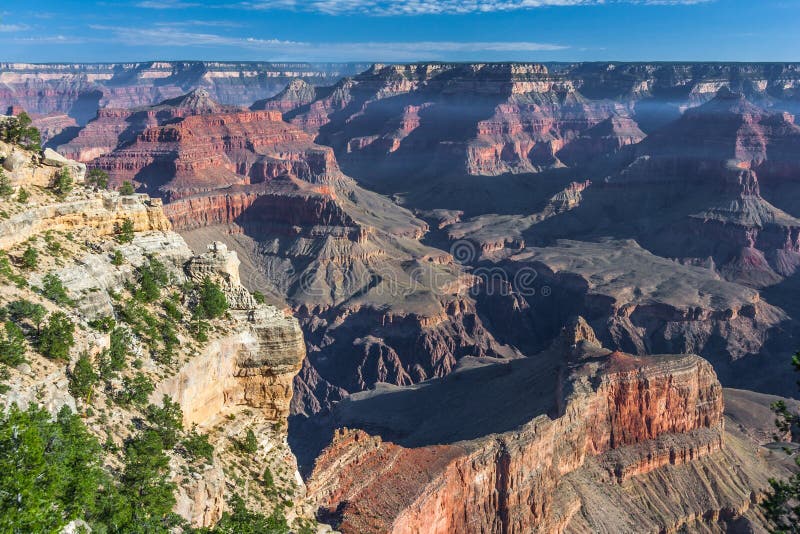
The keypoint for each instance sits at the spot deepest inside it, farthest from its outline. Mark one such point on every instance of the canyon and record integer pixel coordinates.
(521, 294)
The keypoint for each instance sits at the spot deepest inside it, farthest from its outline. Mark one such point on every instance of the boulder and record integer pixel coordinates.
(16, 160)
(54, 159)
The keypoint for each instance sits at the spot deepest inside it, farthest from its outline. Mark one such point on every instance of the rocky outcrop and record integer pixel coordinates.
(297, 92)
(23, 167)
(103, 211)
(254, 366)
(608, 416)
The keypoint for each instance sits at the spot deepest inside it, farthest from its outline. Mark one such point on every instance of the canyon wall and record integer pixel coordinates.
(609, 417)
(80, 89)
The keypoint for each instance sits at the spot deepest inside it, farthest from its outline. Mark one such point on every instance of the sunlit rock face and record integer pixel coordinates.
(628, 424)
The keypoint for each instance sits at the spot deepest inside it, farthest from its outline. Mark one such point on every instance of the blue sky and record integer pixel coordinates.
(400, 30)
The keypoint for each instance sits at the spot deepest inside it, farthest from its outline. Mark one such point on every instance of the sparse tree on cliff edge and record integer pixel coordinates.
(124, 231)
(19, 130)
(126, 188)
(63, 183)
(97, 178)
(782, 504)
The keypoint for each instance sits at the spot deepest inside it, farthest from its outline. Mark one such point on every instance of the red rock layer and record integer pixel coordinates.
(506, 483)
(200, 153)
(287, 203)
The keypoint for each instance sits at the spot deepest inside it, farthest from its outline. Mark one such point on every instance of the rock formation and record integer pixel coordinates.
(79, 90)
(623, 422)
(253, 367)
(203, 147)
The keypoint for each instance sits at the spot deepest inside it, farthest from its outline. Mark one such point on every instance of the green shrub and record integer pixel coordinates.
(196, 447)
(124, 231)
(63, 182)
(259, 297)
(211, 300)
(135, 390)
(97, 178)
(23, 196)
(249, 444)
(56, 337)
(22, 309)
(53, 245)
(117, 258)
(104, 324)
(126, 188)
(166, 420)
(6, 189)
(152, 277)
(12, 345)
(172, 310)
(268, 479)
(7, 271)
(199, 330)
(170, 339)
(53, 289)
(118, 348)
(82, 377)
(30, 258)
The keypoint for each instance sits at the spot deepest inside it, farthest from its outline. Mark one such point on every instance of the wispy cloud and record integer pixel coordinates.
(199, 23)
(11, 28)
(435, 7)
(167, 4)
(278, 49)
(52, 39)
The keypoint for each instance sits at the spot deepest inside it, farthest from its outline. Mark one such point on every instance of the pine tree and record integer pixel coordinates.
(63, 183)
(57, 337)
(6, 189)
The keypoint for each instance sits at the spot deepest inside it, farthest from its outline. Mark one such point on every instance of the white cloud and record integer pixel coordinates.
(167, 4)
(435, 7)
(10, 28)
(282, 50)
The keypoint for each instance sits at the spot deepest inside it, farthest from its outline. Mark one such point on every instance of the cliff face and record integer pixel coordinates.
(199, 150)
(513, 118)
(608, 416)
(238, 379)
(253, 367)
(81, 89)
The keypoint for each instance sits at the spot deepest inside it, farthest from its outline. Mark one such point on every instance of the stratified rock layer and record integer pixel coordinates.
(79, 89)
(621, 421)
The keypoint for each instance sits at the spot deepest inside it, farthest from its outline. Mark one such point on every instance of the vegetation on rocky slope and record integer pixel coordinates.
(81, 439)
